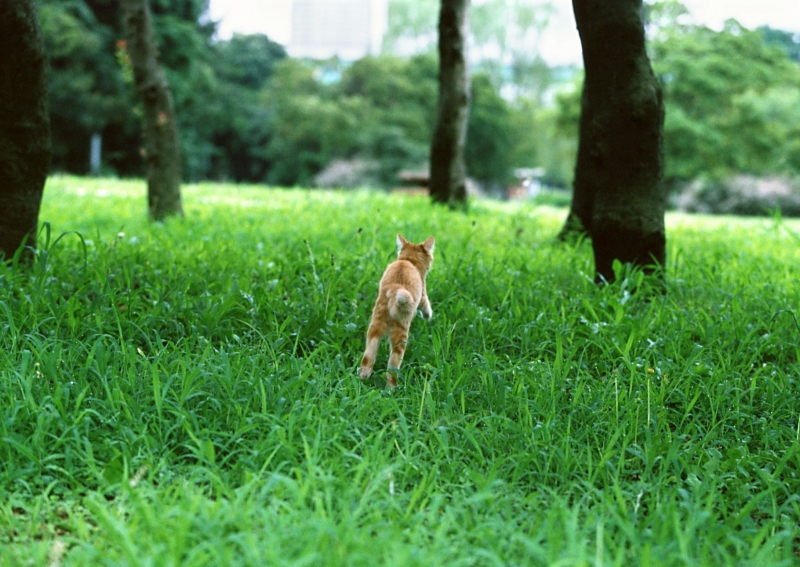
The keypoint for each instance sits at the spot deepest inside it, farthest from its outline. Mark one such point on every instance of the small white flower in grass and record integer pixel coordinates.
(57, 552)
(391, 483)
(120, 235)
(638, 501)
(137, 478)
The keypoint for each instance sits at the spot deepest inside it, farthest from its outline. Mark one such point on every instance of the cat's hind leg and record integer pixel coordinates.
(398, 337)
(375, 333)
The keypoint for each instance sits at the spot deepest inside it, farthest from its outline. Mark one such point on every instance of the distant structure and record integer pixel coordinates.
(348, 29)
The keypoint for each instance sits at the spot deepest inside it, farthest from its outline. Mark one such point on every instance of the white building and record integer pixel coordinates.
(349, 29)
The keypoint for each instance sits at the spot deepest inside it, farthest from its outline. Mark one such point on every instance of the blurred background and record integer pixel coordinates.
(343, 93)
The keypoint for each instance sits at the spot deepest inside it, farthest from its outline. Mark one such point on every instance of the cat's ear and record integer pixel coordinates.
(401, 241)
(428, 244)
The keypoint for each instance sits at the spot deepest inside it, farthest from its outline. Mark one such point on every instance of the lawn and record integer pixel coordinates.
(187, 393)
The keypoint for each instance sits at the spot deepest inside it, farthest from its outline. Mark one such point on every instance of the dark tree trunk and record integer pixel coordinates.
(448, 172)
(162, 152)
(24, 125)
(619, 199)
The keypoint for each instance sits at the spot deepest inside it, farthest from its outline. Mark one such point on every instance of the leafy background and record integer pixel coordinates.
(248, 113)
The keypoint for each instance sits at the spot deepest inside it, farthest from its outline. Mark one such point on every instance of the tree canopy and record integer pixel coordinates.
(247, 112)
(733, 101)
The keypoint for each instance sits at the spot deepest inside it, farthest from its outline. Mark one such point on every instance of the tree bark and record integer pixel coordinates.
(619, 198)
(24, 125)
(161, 151)
(448, 172)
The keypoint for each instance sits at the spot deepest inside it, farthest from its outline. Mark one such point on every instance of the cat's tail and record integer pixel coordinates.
(401, 303)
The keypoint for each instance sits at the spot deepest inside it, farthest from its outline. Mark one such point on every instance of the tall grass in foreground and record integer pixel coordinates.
(186, 394)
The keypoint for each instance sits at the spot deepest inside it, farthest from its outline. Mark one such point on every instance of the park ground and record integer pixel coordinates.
(187, 393)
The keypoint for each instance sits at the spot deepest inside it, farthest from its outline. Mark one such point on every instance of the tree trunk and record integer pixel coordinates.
(162, 152)
(24, 125)
(448, 172)
(619, 199)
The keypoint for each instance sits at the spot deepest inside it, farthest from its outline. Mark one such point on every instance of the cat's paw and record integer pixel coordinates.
(426, 314)
(367, 363)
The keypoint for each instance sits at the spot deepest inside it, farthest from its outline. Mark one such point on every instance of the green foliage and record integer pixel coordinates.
(488, 152)
(731, 102)
(401, 97)
(381, 109)
(505, 131)
(223, 126)
(186, 393)
(246, 113)
(788, 41)
(557, 133)
(186, 10)
(86, 90)
(242, 124)
(731, 98)
(310, 127)
(403, 91)
(248, 60)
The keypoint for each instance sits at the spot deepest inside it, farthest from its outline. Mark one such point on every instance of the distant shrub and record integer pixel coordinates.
(553, 198)
(742, 195)
(348, 174)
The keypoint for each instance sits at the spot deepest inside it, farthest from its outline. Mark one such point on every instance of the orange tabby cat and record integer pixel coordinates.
(401, 293)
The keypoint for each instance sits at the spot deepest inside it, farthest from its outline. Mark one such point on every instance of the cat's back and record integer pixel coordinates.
(401, 272)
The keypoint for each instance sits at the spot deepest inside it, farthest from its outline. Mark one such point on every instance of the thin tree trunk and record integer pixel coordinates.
(619, 197)
(448, 172)
(24, 125)
(162, 151)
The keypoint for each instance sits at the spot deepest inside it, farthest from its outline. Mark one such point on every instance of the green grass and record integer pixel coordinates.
(187, 393)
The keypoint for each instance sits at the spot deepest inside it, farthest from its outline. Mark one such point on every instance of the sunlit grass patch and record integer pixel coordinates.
(540, 419)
